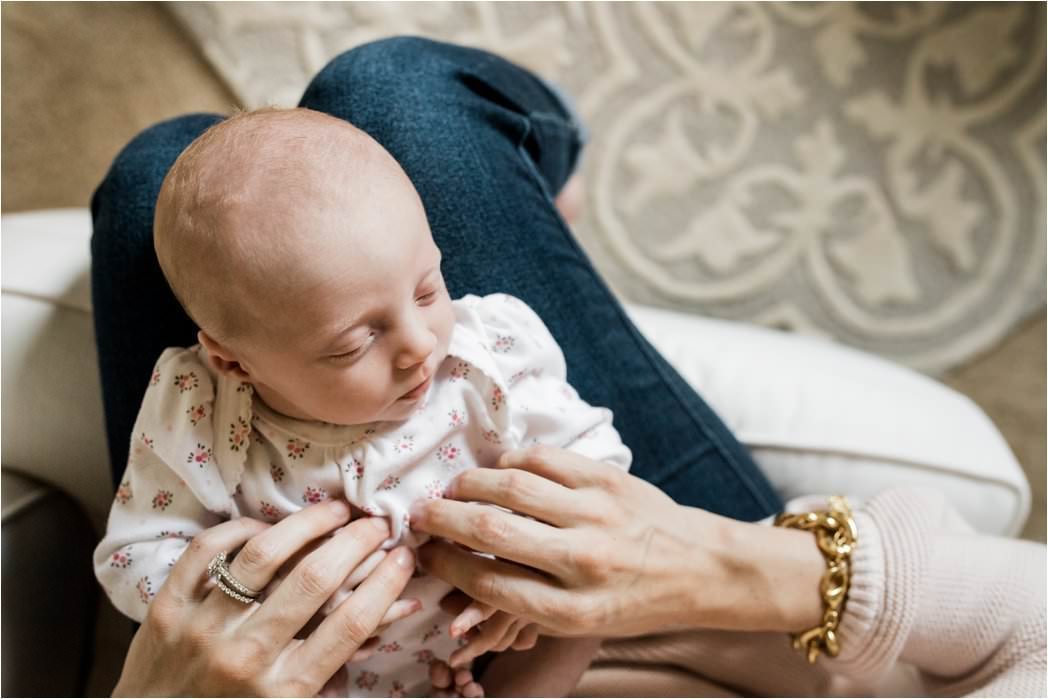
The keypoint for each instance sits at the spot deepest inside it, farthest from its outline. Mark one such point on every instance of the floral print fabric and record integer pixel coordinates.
(207, 450)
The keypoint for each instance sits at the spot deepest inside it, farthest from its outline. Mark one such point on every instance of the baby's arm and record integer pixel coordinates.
(551, 669)
(156, 511)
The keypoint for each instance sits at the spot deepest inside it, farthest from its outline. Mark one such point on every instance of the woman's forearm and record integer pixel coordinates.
(763, 578)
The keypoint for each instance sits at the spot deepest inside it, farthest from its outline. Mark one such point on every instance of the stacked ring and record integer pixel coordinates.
(218, 569)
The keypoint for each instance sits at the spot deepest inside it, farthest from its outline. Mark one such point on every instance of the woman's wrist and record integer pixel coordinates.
(765, 578)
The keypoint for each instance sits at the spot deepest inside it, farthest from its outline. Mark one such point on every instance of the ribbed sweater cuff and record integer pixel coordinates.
(887, 569)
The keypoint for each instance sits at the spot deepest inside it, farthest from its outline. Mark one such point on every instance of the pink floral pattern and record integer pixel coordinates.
(166, 534)
(432, 633)
(199, 456)
(354, 468)
(459, 371)
(448, 453)
(196, 413)
(313, 495)
(162, 500)
(503, 343)
(244, 387)
(186, 382)
(491, 436)
(121, 558)
(123, 493)
(238, 434)
(389, 483)
(435, 490)
(146, 440)
(404, 444)
(276, 472)
(497, 399)
(456, 418)
(155, 378)
(268, 510)
(145, 589)
(389, 647)
(396, 690)
(424, 657)
(296, 448)
(367, 680)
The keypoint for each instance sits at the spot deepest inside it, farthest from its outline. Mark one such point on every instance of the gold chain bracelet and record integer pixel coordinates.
(836, 537)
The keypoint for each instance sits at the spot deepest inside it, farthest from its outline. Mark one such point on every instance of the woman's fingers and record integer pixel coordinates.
(487, 637)
(472, 615)
(521, 492)
(511, 635)
(309, 584)
(527, 638)
(188, 578)
(560, 466)
(257, 563)
(509, 587)
(401, 609)
(365, 651)
(490, 530)
(355, 620)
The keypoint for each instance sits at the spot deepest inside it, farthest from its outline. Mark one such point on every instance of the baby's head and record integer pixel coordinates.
(302, 251)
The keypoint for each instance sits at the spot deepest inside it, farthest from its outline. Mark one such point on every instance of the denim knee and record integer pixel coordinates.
(379, 66)
(134, 178)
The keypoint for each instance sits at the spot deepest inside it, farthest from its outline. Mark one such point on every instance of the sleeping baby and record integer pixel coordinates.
(331, 363)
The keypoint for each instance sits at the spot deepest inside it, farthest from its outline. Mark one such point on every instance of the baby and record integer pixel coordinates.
(331, 363)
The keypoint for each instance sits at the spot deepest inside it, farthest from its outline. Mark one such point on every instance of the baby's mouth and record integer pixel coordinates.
(419, 390)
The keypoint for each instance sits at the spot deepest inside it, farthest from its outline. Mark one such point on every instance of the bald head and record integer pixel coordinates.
(248, 211)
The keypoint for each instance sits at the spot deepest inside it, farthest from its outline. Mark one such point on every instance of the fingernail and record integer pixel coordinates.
(403, 558)
(379, 523)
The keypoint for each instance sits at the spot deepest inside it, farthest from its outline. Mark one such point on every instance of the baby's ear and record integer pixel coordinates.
(221, 358)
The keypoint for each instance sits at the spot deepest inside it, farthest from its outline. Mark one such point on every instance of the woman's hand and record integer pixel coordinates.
(608, 554)
(197, 641)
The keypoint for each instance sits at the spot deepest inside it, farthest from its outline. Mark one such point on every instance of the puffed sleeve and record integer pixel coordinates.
(172, 488)
(544, 408)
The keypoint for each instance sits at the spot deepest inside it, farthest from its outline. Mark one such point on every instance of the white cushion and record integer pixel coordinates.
(822, 418)
(818, 417)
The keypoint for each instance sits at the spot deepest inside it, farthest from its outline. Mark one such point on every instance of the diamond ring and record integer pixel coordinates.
(218, 569)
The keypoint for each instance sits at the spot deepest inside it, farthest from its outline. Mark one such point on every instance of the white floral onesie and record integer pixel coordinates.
(204, 450)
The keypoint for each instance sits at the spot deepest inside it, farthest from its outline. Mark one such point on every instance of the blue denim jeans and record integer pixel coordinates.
(487, 145)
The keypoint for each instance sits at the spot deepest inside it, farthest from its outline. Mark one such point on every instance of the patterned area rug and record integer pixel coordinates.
(873, 173)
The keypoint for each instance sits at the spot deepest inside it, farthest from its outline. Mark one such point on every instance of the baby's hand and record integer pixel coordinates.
(486, 629)
(453, 683)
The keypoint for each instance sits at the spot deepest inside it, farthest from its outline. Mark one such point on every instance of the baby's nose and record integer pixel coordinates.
(418, 344)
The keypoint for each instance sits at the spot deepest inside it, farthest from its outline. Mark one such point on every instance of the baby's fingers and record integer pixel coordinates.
(472, 615)
(440, 674)
(465, 686)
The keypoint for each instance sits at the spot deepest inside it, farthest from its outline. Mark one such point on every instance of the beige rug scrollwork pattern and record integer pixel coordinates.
(870, 172)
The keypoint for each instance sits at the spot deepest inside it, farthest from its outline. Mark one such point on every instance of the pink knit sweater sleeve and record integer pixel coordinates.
(966, 611)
